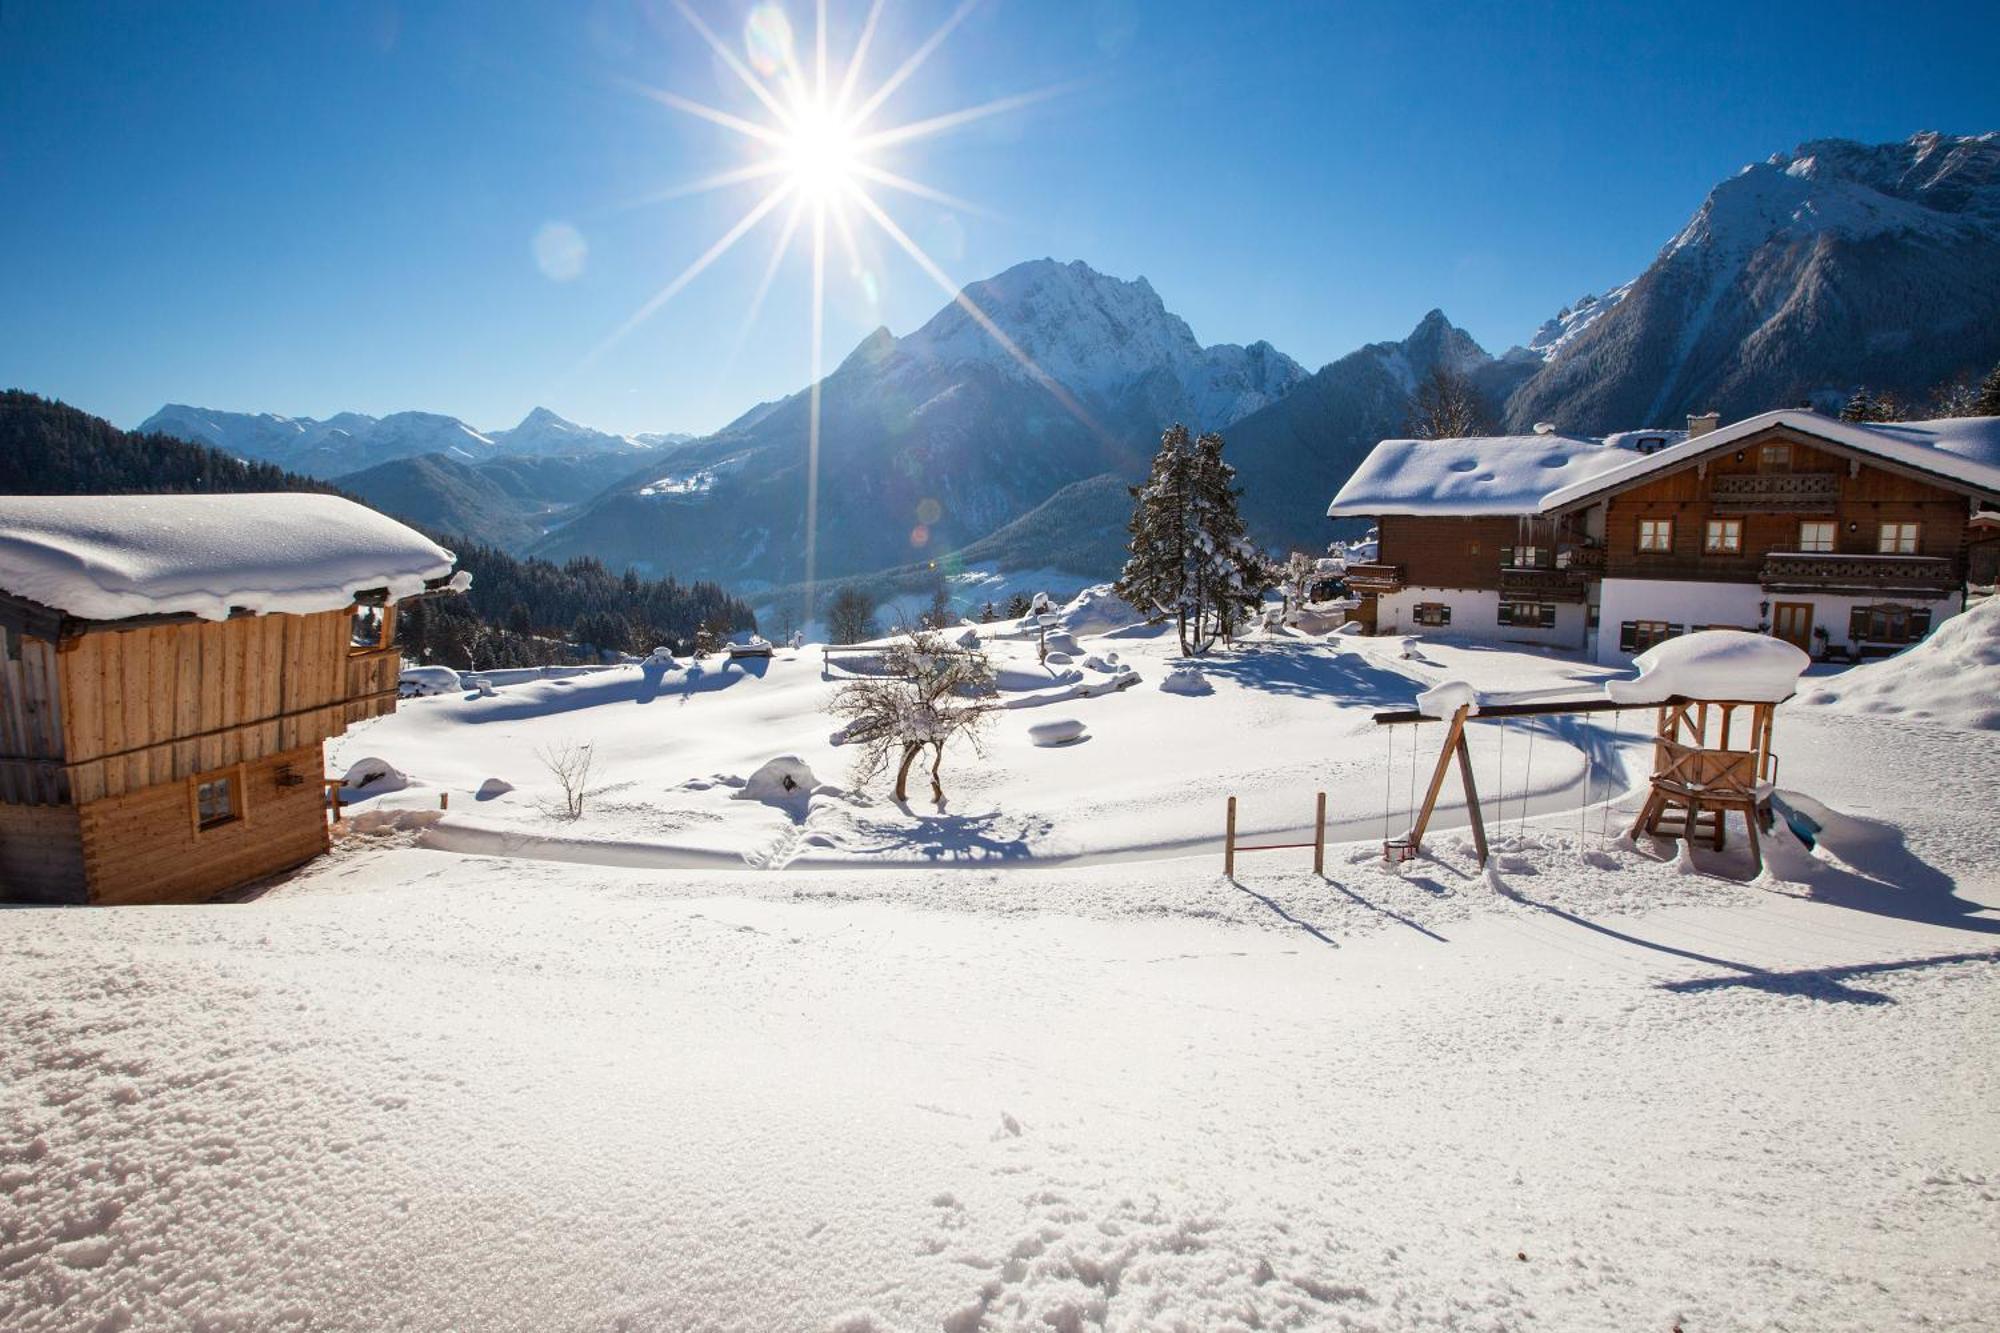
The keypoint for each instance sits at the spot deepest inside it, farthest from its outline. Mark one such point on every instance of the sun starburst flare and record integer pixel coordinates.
(813, 141)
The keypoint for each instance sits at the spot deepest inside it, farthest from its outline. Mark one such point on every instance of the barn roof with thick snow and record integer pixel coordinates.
(107, 557)
(1493, 474)
(1961, 451)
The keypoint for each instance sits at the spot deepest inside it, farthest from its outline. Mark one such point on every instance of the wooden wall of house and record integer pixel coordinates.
(143, 845)
(1869, 497)
(41, 854)
(1450, 552)
(154, 705)
(31, 729)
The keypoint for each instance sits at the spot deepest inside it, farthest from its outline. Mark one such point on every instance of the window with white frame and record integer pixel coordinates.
(1816, 535)
(1656, 535)
(1897, 539)
(1723, 536)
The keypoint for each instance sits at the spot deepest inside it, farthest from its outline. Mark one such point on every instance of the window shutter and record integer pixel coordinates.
(1628, 634)
(1444, 615)
(1857, 624)
(1920, 624)
(1506, 613)
(1507, 556)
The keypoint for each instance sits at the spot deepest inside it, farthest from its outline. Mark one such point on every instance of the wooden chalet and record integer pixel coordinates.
(1845, 539)
(173, 667)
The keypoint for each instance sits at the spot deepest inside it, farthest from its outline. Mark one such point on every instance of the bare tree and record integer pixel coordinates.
(930, 692)
(1445, 406)
(850, 616)
(569, 764)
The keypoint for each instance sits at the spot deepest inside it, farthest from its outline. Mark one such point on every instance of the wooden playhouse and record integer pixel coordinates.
(173, 666)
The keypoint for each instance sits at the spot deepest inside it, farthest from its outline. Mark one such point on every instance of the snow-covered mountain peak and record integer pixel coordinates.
(1098, 336)
(1556, 334)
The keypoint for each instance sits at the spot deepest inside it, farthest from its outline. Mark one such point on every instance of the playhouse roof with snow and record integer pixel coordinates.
(1715, 664)
(111, 557)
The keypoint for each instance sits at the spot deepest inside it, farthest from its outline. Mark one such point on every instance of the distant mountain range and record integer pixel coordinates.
(1797, 279)
(351, 441)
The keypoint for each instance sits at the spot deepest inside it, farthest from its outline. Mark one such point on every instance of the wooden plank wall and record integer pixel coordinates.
(1870, 497)
(147, 706)
(143, 846)
(31, 725)
(41, 854)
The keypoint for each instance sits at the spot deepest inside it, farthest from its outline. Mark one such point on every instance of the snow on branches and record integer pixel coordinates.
(929, 691)
(1190, 561)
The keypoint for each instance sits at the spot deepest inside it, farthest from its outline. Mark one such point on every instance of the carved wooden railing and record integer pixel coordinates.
(1553, 584)
(1869, 573)
(1374, 578)
(1786, 492)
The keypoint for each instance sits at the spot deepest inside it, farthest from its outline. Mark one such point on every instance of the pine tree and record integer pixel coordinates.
(988, 614)
(1865, 407)
(1988, 402)
(1189, 560)
(1018, 605)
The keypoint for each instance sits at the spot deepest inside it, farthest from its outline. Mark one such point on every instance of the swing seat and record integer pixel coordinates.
(1398, 850)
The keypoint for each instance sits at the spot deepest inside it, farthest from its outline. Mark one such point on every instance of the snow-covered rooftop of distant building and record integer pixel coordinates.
(1961, 449)
(106, 557)
(1494, 474)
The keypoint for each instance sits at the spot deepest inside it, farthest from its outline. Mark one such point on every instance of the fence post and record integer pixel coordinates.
(1319, 836)
(1229, 842)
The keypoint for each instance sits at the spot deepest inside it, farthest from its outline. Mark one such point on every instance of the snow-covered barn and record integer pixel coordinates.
(173, 666)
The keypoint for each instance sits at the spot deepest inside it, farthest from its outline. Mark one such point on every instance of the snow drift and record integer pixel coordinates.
(1951, 677)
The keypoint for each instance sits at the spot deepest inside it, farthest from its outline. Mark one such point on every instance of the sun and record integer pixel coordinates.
(815, 136)
(821, 154)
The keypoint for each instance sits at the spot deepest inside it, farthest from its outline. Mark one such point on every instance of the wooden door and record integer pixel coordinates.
(1793, 622)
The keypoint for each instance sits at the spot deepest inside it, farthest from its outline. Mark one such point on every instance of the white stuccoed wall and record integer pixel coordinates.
(1475, 614)
(1690, 603)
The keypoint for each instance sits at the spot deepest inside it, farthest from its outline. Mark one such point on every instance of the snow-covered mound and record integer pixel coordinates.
(1951, 677)
(374, 775)
(1096, 610)
(105, 557)
(418, 681)
(1730, 664)
(1186, 680)
(1060, 731)
(785, 780)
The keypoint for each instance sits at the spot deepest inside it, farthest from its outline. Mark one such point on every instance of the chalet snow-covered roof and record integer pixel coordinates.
(107, 557)
(1493, 474)
(1961, 450)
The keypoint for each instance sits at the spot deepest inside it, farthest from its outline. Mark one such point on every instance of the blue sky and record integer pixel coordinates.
(308, 208)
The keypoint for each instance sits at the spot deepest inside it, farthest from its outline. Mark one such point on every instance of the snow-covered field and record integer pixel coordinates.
(695, 1062)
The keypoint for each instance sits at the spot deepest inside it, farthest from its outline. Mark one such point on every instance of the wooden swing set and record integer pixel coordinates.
(1698, 776)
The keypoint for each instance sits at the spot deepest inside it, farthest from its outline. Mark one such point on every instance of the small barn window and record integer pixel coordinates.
(367, 628)
(1433, 614)
(1775, 458)
(218, 799)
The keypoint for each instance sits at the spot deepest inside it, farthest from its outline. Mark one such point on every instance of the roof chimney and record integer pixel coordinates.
(1703, 424)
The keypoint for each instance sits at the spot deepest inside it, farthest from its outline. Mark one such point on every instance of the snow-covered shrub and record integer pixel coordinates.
(930, 692)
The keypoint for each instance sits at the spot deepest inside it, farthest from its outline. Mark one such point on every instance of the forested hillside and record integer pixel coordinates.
(518, 613)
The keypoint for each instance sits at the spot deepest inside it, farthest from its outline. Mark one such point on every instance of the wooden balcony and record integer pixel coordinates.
(1775, 492)
(1372, 580)
(1585, 560)
(1806, 571)
(1544, 585)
